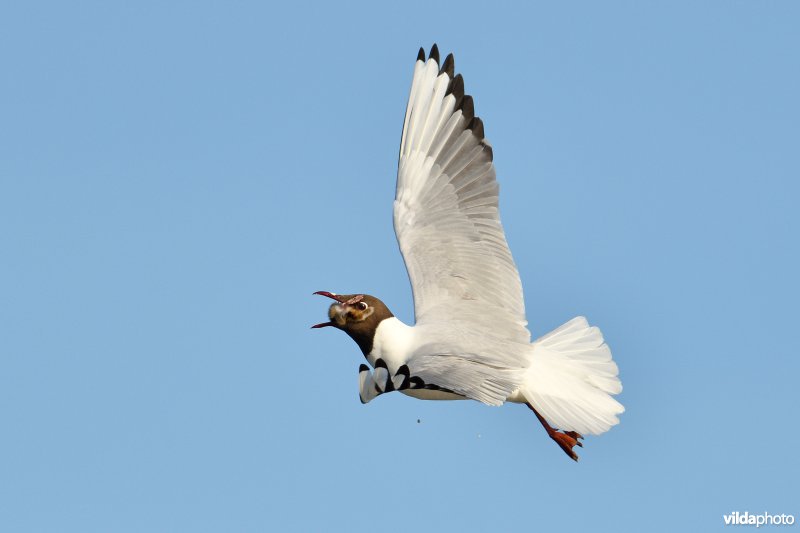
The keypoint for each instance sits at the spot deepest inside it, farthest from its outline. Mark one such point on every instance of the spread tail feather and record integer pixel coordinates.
(572, 378)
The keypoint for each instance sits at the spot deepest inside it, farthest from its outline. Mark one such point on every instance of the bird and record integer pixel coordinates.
(470, 338)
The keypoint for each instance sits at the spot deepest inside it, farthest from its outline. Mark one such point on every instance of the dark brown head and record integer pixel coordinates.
(358, 315)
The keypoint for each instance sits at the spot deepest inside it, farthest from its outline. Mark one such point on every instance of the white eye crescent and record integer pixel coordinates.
(361, 306)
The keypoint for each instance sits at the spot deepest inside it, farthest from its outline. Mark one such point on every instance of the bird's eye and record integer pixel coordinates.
(361, 306)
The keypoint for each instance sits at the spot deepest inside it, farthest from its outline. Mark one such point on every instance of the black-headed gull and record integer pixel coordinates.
(470, 340)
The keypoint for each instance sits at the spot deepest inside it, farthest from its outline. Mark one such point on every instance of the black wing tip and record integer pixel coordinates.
(487, 148)
(434, 53)
(415, 383)
(468, 108)
(363, 368)
(449, 66)
(476, 125)
(456, 86)
(464, 102)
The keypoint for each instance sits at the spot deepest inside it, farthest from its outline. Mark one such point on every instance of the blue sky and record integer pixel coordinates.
(177, 179)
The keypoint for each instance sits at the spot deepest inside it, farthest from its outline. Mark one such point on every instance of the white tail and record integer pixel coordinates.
(572, 378)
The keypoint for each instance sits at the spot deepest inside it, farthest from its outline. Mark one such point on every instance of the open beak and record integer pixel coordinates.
(332, 296)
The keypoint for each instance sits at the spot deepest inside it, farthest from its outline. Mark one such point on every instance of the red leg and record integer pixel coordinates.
(565, 439)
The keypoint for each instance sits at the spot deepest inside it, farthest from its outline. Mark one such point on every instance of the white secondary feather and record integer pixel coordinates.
(470, 335)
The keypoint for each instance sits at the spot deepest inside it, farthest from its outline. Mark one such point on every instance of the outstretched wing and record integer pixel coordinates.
(467, 291)
(446, 210)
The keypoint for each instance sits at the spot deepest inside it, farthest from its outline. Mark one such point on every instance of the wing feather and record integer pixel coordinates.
(447, 223)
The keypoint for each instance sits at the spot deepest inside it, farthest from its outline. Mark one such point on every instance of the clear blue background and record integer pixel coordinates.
(177, 179)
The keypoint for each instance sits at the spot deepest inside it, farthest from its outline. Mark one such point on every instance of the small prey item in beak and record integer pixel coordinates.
(329, 295)
(341, 299)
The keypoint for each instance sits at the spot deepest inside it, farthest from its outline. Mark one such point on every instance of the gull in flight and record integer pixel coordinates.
(470, 338)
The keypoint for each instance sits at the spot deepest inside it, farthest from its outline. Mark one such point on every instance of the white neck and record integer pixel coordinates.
(393, 342)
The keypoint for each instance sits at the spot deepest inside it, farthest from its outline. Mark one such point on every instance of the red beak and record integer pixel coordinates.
(331, 296)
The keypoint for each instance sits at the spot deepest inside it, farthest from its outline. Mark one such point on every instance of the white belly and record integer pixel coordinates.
(393, 342)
